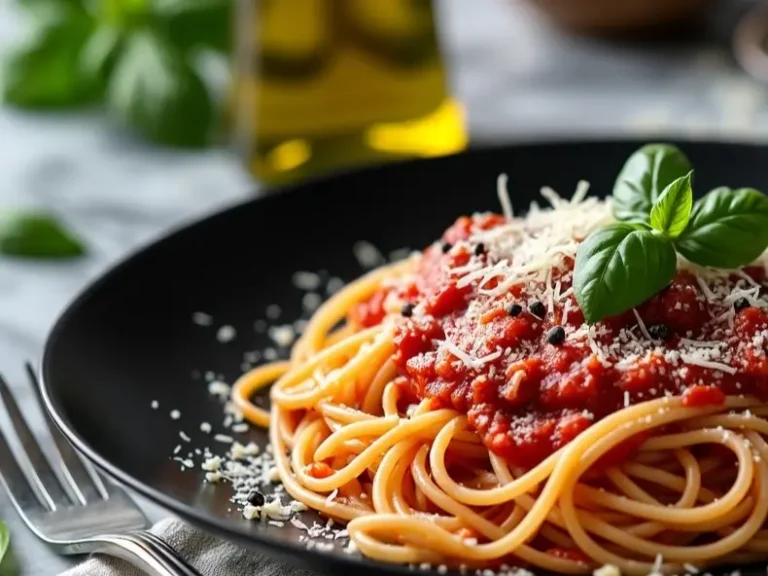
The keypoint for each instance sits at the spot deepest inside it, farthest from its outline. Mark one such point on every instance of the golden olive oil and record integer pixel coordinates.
(326, 84)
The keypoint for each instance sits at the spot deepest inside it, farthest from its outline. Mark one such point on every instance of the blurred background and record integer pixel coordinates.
(101, 94)
(226, 93)
(122, 119)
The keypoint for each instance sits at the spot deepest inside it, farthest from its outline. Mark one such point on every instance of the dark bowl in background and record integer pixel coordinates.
(616, 17)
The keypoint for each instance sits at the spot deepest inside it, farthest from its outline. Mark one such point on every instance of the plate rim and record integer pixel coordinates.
(221, 527)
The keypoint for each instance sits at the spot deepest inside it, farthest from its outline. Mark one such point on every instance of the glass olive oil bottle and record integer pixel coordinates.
(326, 84)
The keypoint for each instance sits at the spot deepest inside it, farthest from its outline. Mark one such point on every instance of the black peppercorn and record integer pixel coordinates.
(514, 309)
(740, 304)
(556, 335)
(407, 310)
(537, 309)
(479, 248)
(446, 247)
(256, 498)
(658, 331)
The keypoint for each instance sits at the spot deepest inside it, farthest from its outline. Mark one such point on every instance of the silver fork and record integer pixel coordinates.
(78, 514)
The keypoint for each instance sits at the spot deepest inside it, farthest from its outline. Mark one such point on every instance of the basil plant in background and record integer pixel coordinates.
(136, 58)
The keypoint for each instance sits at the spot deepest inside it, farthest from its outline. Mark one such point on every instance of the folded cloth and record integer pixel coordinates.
(210, 556)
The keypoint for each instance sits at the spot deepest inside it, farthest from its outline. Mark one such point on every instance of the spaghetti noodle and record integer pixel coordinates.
(455, 409)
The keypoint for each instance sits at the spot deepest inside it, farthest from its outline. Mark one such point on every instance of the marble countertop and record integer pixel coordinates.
(519, 79)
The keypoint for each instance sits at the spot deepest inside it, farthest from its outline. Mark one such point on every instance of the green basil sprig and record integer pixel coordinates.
(644, 177)
(5, 540)
(622, 265)
(728, 228)
(28, 234)
(604, 283)
(672, 210)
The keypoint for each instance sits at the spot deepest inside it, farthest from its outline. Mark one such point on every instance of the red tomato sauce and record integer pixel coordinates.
(530, 397)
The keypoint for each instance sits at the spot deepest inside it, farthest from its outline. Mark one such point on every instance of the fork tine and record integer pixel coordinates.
(82, 479)
(24, 498)
(40, 470)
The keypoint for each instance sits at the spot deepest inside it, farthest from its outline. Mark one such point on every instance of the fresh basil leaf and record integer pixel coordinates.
(671, 211)
(5, 540)
(644, 177)
(45, 71)
(48, 12)
(190, 23)
(9, 565)
(619, 267)
(35, 235)
(728, 228)
(100, 52)
(154, 90)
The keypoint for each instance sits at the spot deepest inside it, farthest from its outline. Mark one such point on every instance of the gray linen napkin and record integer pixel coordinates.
(210, 556)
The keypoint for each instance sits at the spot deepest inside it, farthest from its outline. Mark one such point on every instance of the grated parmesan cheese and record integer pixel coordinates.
(273, 312)
(212, 464)
(218, 388)
(283, 335)
(503, 193)
(697, 361)
(311, 301)
(226, 334)
(202, 319)
(306, 280)
(607, 570)
(368, 256)
(334, 285)
(641, 325)
(708, 294)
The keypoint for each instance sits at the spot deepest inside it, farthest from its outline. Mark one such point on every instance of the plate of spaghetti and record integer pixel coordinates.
(542, 359)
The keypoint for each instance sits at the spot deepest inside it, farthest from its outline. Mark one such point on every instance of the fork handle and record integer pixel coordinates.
(167, 550)
(145, 551)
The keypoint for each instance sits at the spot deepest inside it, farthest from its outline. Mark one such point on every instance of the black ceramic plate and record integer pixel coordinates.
(129, 339)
